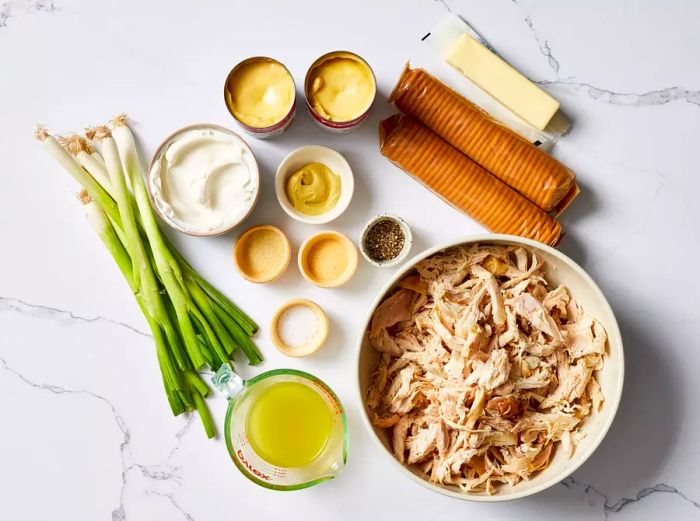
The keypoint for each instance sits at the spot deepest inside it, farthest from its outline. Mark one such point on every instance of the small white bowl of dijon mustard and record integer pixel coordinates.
(314, 184)
(204, 180)
(299, 328)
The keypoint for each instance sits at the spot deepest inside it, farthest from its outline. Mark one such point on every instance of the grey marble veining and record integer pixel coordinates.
(630, 99)
(14, 8)
(164, 471)
(602, 500)
(40, 311)
(545, 49)
(627, 99)
(638, 188)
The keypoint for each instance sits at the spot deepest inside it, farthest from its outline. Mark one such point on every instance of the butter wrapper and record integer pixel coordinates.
(431, 55)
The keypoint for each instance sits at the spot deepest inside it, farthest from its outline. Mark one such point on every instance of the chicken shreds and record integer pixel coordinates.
(485, 370)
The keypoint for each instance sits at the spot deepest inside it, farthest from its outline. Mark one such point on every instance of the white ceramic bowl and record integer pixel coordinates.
(408, 240)
(315, 154)
(162, 148)
(560, 270)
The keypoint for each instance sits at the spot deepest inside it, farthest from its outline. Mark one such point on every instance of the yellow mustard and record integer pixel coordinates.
(341, 87)
(260, 92)
(314, 189)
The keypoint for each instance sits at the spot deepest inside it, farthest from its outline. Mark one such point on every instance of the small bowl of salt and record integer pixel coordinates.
(299, 328)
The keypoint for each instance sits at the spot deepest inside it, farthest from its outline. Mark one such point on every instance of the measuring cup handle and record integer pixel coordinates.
(227, 381)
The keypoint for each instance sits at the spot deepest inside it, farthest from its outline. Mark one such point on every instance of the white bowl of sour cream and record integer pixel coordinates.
(204, 180)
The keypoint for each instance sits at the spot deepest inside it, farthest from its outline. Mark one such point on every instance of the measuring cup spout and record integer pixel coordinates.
(336, 466)
(227, 381)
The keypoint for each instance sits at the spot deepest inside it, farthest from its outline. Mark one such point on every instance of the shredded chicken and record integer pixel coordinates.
(484, 369)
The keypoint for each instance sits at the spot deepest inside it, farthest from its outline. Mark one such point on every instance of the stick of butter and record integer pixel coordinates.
(502, 81)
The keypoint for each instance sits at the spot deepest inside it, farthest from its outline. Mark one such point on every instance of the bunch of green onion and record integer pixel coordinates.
(194, 325)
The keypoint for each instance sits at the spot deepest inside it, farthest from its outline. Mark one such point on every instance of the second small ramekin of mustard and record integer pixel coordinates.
(260, 94)
(340, 88)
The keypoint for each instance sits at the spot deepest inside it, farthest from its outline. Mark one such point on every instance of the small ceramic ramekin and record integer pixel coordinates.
(306, 263)
(315, 154)
(276, 267)
(314, 344)
(255, 174)
(408, 240)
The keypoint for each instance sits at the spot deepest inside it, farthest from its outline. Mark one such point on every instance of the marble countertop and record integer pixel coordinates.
(85, 432)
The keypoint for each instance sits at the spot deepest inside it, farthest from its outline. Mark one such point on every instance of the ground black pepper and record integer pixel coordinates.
(384, 240)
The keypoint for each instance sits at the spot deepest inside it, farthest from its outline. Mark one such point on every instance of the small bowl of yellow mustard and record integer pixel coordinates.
(314, 184)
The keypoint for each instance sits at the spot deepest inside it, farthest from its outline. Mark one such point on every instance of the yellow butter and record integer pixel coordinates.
(341, 87)
(260, 92)
(502, 81)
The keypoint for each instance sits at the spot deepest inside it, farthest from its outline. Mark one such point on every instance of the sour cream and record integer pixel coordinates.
(204, 180)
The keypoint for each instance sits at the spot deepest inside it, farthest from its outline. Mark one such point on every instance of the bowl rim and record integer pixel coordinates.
(612, 402)
(166, 142)
(347, 184)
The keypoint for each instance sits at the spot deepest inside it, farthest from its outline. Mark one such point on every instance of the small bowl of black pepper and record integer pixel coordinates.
(386, 240)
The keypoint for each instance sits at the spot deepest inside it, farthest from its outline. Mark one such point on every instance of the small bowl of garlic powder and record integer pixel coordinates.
(299, 328)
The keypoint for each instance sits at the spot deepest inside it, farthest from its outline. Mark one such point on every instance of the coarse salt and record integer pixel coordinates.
(298, 326)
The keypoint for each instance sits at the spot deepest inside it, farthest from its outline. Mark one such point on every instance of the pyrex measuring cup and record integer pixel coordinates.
(242, 394)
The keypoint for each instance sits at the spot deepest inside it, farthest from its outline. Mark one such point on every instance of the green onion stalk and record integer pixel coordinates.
(194, 325)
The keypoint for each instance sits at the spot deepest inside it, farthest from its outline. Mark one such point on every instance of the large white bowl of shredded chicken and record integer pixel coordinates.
(490, 368)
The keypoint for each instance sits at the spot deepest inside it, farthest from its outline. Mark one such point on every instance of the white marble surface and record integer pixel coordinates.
(85, 432)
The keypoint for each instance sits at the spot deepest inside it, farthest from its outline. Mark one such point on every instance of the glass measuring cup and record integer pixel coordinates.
(242, 394)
